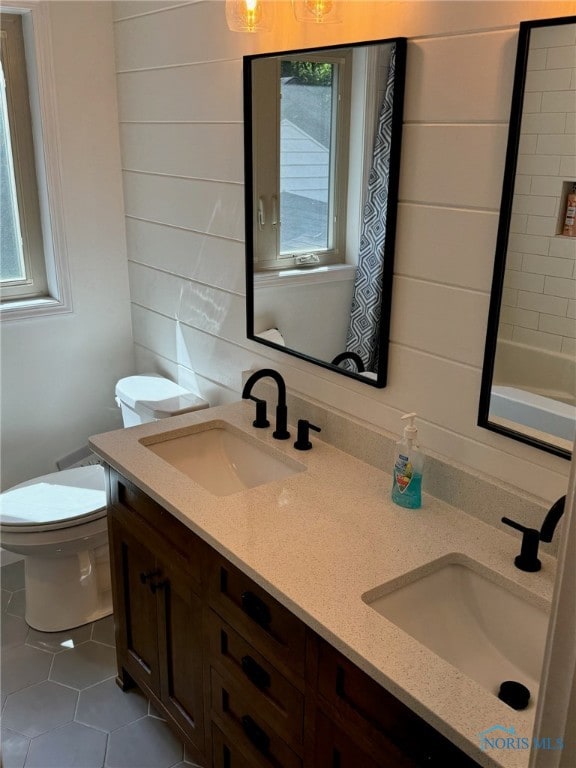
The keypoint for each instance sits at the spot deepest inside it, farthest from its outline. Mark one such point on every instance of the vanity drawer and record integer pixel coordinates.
(335, 749)
(224, 754)
(259, 618)
(244, 726)
(185, 548)
(366, 709)
(275, 699)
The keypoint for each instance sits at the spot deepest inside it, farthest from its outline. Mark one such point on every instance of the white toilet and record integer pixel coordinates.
(58, 521)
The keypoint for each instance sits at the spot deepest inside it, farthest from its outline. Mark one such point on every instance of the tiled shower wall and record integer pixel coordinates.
(179, 73)
(540, 296)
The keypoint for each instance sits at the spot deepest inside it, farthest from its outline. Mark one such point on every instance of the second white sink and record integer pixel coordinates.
(222, 459)
(488, 632)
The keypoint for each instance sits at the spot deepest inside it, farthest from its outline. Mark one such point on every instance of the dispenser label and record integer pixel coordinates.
(403, 472)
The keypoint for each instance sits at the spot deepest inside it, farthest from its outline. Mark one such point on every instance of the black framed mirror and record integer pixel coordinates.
(528, 389)
(322, 162)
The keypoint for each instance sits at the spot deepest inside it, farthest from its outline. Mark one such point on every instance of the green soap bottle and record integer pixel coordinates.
(408, 468)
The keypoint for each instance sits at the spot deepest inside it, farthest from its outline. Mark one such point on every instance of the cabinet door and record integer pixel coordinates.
(180, 647)
(134, 569)
(335, 749)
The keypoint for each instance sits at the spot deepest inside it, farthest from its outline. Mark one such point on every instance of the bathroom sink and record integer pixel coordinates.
(222, 459)
(455, 609)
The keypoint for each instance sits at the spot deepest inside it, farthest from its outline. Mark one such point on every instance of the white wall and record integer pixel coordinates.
(180, 101)
(58, 372)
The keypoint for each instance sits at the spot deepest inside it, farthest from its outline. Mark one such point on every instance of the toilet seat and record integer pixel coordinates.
(55, 501)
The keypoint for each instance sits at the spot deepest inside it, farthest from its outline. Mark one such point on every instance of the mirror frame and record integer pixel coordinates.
(502, 237)
(391, 207)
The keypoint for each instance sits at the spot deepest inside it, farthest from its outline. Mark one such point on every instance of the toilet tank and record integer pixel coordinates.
(150, 397)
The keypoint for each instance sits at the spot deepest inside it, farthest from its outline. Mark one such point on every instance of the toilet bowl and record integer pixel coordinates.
(58, 521)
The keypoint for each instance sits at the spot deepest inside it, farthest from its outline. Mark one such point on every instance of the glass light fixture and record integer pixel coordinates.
(317, 11)
(249, 15)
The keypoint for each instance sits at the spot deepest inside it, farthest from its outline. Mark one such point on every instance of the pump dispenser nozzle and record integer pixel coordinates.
(410, 431)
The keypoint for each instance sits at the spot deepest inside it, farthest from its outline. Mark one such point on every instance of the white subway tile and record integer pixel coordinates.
(509, 297)
(569, 347)
(559, 286)
(567, 167)
(528, 244)
(556, 145)
(541, 302)
(518, 223)
(527, 144)
(534, 204)
(514, 260)
(571, 311)
(558, 101)
(505, 331)
(536, 165)
(545, 122)
(536, 59)
(519, 317)
(524, 281)
(548, 341)
(563, 326)
(546, 265)
(546, 185)
(563, 248)
(522, 184)
(548, 80)
(542, 225)
(532, 102)
(561, 57)
(553, 36)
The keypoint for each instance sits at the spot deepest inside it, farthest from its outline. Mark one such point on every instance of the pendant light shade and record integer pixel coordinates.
(249, 15)
(317, 11)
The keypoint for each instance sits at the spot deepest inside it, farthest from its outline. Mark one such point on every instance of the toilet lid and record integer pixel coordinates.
(58, 500)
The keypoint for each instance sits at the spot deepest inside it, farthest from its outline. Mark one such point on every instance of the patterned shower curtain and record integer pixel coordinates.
(364, 329)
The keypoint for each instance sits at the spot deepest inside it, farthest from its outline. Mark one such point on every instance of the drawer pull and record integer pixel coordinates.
(336, 758)
(257, 736)
(144, 577)
(255, 673)
(156, 585)
(256, 609)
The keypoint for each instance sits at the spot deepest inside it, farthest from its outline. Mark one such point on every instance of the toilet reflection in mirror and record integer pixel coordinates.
(322, 138)
(529, 375)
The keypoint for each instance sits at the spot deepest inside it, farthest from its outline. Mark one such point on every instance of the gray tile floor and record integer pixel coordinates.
(61, 707)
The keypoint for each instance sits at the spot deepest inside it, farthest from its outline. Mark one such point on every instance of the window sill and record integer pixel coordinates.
(19, 309)
(304, 276)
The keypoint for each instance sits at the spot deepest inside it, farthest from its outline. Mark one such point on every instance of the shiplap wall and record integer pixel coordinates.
(179, 73)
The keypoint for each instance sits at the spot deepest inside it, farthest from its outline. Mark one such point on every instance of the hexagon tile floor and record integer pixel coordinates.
(61, 707)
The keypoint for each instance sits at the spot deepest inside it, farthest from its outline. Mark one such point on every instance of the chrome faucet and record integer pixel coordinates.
(281, 432)
(528, 560)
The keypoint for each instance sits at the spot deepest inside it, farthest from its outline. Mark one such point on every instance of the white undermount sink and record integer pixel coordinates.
(455, 609)
(222, 459)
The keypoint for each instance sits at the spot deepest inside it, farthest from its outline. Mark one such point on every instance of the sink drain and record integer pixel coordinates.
(514, 694)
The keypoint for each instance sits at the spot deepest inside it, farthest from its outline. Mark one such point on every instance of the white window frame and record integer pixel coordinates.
(266, 163)
(56, 296)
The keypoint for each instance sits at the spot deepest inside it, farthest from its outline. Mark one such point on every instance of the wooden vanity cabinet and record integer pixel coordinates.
(244, 682)
(158, 608)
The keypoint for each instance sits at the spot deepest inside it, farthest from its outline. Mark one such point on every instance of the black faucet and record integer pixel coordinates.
(528, 560)
(355, 358)
(281, 432)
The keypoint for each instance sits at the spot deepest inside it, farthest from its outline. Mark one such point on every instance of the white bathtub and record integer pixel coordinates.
(535, 389)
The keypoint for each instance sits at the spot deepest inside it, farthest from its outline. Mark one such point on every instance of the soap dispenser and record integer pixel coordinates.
(408, 467)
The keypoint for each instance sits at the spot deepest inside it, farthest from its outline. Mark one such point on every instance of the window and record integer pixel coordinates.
(300, 158)
(34, 278)
(22, 263)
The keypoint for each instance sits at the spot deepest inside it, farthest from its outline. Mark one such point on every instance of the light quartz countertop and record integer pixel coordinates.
(321, 538)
